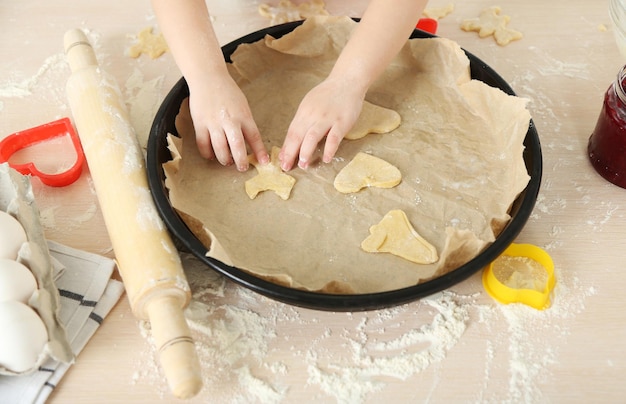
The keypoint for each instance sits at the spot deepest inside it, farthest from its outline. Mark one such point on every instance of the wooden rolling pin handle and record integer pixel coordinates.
(176, 349)
(147, 259)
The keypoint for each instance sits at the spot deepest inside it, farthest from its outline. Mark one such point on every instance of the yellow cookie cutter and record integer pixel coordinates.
(533, 298)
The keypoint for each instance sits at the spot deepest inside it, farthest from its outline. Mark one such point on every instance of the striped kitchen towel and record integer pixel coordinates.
(87, 296)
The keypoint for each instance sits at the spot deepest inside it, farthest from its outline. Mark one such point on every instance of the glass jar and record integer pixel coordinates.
(607, 144)
(617, 12)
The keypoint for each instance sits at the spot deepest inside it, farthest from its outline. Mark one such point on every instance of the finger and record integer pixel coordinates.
(203, 141)
(237, 145)
(290, 149)
(253, 137)
(220, 147)
(333, 139)
(309, 144)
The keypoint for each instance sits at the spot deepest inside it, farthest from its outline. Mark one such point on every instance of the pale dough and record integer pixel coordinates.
(286, 11)
(374, 119)
(394, 234)
(491, 22)
(438, 13)
(148, 43)
(459, 149)
(270, 178)
(520, 273)
(366, 170)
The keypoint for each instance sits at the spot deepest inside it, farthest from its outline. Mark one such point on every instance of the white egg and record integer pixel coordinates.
(12, 236)
(16, 281)
(23, 336)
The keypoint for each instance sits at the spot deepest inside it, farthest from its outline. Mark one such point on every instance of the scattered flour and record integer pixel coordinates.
(143, 99)
(555, 67)
(250, 345)
(371, 356)
(26, 87)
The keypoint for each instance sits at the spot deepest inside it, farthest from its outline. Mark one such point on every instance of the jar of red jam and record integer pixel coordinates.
(607, 144)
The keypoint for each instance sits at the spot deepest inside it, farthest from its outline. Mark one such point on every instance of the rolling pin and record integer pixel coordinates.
(147, 260)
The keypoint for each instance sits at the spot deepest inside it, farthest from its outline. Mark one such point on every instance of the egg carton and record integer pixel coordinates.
(16, 198)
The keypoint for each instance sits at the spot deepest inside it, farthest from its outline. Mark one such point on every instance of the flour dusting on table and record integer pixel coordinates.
(247, 349)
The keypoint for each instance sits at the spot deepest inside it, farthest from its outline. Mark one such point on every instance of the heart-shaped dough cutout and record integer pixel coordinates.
(395, 235)
(373, 119)
(270, 178)
(366, 170)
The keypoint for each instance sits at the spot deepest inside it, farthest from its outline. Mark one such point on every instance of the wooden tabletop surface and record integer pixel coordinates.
(459, 346)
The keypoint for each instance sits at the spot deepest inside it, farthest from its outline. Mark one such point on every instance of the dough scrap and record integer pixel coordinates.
(374, 119)
(148, 43)
(491, 22)
(394, 234)
(270, 178)
(520, 273)
(438, 13)
(286, 11)
(365, 170)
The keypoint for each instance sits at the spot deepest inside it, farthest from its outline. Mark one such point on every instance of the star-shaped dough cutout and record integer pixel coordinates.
(491, 22)
(148, 43)
(366, 170)
(395, 235)
(373, 119)
(438, 13)
(270, 177)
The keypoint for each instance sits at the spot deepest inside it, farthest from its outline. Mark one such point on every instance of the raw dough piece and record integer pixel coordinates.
(373, 119)
(438, 13)
(286, 11)
(270, 177)
(394, 234)
(366, 170)
(148, 43)
(520, 273)
(490, 22)
(461, 165)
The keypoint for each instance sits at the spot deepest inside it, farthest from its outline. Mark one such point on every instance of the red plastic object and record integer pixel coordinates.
(427, 24)
(23, 139)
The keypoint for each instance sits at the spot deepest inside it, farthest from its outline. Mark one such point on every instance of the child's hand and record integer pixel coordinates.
(329, 110)
(224, 124)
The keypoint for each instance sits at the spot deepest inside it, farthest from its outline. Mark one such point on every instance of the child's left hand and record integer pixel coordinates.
(329, 110)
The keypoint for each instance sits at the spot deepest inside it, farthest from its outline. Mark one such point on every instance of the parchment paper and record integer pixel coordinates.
(459, 149)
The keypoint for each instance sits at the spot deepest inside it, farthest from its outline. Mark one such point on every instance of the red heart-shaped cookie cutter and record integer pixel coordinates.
(23, 139)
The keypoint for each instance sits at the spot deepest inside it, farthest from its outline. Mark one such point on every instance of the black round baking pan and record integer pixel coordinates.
(158, 153)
